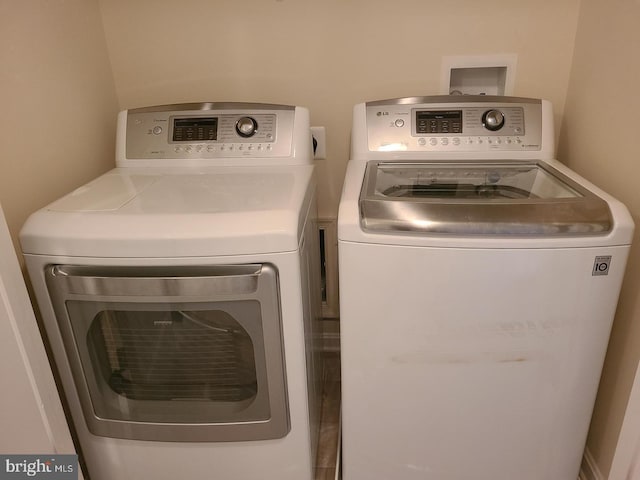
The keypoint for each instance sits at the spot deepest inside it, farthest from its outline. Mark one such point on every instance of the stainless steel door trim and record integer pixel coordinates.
(268, 351)
(156, 281)
(585, 214)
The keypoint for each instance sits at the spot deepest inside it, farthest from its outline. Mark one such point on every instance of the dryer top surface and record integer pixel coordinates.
(176, 212)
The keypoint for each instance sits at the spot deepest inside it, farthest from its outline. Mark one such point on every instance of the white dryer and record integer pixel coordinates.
(479, 279)
(180, 296)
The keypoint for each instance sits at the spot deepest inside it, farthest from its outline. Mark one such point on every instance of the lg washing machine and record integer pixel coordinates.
(479, 279)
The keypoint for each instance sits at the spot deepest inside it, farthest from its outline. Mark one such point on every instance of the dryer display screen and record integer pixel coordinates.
(439, 121)
(195, 129)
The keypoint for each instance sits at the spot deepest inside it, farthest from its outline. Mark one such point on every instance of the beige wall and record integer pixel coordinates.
(327, 55)
(600, 140)
(58, 113)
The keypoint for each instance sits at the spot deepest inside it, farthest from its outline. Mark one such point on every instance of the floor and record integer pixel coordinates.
(329, 445)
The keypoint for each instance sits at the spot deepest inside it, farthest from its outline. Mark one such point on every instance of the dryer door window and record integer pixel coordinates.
(153, 358)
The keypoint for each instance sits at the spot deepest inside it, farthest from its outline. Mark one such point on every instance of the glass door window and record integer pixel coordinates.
(508, 198)
(146, 369)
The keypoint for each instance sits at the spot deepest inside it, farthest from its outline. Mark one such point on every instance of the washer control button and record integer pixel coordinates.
(246, 127)
(399, 122)
(433, 141)
(157, 130)
(493, 120)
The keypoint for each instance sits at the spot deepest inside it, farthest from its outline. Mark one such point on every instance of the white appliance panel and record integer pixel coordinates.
(179, 212)
(484, 361)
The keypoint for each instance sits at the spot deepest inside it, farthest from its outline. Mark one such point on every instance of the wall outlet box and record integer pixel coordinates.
(478, 75)
(320, 143)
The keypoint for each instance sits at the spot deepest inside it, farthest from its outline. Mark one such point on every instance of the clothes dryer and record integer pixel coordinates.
(180, 296)
(479, 279)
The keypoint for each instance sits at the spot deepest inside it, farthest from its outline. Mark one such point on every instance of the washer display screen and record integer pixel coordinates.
(195, 129)
(439, 121)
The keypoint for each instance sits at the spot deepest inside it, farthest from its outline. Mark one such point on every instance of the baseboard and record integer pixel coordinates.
(589, 469)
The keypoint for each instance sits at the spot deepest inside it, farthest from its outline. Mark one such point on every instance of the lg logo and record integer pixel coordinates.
(601, 265)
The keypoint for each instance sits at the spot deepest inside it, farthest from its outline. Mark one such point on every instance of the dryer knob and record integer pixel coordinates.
(246, 127)
(493, 120)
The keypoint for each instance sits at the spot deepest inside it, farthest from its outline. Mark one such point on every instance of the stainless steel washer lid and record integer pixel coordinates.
(467, 198)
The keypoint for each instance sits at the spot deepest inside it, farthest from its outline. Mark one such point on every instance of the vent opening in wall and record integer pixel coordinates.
(329, 273)
(329, 267)
(323, 266)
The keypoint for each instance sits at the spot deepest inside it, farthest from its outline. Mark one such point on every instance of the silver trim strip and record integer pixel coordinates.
(453, 100)
(154, 282)
(206, 106)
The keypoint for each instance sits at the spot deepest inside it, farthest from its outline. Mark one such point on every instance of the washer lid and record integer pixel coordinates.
(468, 198)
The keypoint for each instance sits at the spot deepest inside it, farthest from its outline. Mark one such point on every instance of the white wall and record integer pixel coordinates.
(600, 140)
(327, 55)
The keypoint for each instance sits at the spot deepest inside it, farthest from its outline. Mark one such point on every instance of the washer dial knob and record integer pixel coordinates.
(246, 127)
(493, 120)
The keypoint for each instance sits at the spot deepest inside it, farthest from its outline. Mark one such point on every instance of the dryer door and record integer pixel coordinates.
(182, 354)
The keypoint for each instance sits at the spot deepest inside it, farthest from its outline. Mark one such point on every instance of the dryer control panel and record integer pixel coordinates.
(209, 131)
(454, 124)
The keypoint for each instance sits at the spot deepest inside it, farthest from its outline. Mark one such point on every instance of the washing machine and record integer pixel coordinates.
(180, 296)
(479, 279)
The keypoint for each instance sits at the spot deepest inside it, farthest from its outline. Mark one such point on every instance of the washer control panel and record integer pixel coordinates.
(454, 124)
(209, 130)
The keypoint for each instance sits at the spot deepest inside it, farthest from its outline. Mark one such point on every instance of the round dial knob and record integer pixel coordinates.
(493, 120)
(246, 127)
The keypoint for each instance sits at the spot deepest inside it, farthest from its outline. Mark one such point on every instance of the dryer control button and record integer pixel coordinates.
(433, 141)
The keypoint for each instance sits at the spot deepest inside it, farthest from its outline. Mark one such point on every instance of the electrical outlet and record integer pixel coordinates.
(320, 144)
